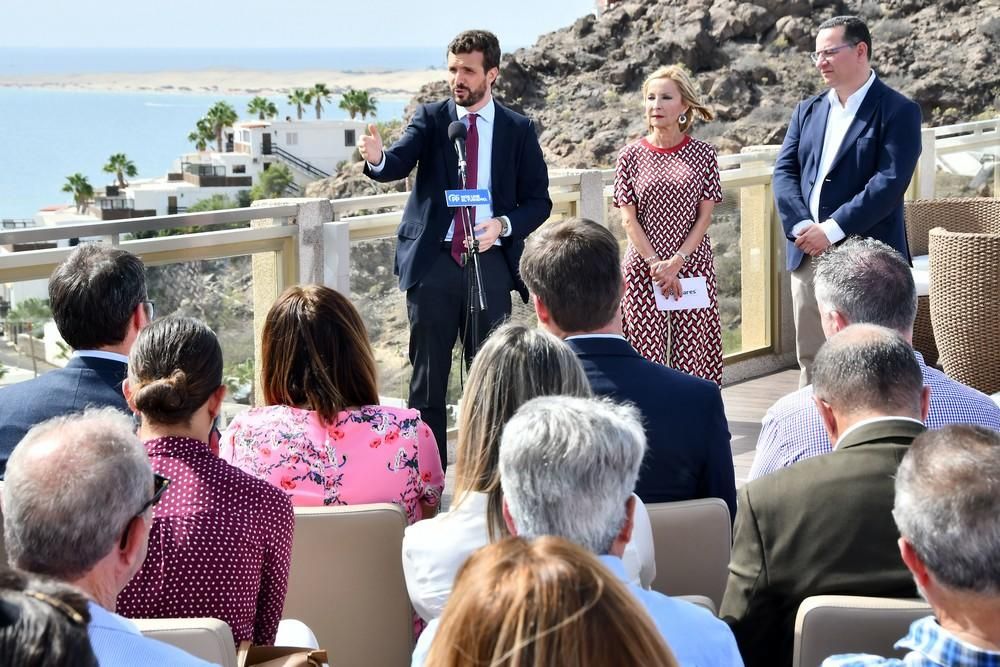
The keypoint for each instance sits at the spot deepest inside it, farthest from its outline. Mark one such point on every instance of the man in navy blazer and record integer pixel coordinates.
(509, 164)
(843, 168)
(573, 272)
(98, 301)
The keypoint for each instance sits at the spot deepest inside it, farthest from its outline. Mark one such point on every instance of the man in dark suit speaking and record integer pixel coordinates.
(98, 301)
(843, 168)
(503, 157)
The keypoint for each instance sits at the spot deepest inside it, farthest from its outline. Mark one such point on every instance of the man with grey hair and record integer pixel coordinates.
(824, 526)
(947, 510)
(567, 467)
(77, 505)
(862, 281)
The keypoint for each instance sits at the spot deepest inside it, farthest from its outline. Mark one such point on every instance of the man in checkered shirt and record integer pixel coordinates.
(862, 281)
(947, 509)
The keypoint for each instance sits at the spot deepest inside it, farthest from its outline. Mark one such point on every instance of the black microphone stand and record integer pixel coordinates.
(477, 294)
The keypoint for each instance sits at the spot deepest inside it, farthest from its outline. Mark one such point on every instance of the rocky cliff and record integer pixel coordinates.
(582, 84)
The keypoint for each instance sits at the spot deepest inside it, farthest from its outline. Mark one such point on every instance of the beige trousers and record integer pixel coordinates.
(808, 326)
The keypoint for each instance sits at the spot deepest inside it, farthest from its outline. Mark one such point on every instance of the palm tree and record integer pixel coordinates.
(81, 189)
(299, 98)
(349, 102)
(221, 116)
(367, 104)
(202, 134)
(317, 95)
(119, 165)
(273, 182)
(263, 107)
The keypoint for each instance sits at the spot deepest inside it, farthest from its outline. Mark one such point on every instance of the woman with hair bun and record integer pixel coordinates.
(220, 543)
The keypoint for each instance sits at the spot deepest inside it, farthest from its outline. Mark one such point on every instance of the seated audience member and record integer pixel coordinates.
(77, 507)
(824, 526)
(567, 469)
(862, 281)
(98, 301)
(948, 513)
(220, 544)
(574, 273)
(515, 364)
(546, 602)
(42, 623)
(322, 437)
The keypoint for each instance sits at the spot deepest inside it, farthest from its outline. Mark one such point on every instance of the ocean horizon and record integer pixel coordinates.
(36, 61)
(52, 133)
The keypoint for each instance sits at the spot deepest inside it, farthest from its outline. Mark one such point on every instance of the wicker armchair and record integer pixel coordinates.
(965, 305)
(979, 214)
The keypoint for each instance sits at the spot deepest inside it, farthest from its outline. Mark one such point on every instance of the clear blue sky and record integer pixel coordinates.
(280, 24)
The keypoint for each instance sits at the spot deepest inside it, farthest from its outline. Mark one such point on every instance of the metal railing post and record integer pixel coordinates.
(337, 265)
(592, 196)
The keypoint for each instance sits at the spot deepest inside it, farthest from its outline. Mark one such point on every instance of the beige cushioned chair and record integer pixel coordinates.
(207, 638)
(692, 541)
(346, 583)
(833, 624)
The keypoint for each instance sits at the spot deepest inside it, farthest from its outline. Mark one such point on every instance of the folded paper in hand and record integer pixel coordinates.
(695, 295)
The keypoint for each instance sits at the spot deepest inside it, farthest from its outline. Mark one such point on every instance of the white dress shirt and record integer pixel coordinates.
(434, 549)
(838, 121)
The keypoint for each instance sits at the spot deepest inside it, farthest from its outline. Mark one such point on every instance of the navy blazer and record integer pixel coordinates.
(519, 186)
(84, 382)
(864, 189)
(688, 453)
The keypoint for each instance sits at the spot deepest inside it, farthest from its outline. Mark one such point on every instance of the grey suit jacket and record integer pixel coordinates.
(822, 526)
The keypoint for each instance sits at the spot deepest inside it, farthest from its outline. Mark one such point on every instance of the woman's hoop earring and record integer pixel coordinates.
(682, 119)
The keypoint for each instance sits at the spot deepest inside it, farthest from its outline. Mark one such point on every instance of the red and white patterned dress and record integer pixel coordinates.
(666, 185)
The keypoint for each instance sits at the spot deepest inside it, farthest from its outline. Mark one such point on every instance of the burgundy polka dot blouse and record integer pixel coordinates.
(220, 545)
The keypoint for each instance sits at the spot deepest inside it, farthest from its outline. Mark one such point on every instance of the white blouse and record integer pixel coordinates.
(434, 549)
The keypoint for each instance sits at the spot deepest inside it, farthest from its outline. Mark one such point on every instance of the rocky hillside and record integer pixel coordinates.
(581, 84)
(751, 60)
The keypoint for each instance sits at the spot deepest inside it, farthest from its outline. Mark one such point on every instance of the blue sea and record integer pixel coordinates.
(50, 134)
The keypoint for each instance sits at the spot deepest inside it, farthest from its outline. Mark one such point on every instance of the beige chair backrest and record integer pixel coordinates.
(692, 541)
(833, 624)
(207, 638)
(346, 583)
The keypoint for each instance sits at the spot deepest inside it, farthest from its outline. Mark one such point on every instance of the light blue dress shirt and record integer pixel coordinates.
(696, 637)
(117, 642)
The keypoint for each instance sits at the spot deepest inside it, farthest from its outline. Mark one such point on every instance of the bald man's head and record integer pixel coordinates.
(72, 485)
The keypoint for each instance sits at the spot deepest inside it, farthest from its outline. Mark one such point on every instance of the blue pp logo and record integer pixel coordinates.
(456, 198)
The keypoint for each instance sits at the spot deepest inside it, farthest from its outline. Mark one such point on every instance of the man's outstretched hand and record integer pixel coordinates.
(371, 145)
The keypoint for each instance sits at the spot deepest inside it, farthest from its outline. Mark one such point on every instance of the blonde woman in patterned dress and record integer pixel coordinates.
(666, 185)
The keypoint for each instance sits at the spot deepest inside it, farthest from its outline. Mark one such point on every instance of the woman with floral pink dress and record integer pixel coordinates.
(322, 437)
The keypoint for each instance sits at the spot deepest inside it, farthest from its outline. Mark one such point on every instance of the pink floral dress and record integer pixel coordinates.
(375, 454)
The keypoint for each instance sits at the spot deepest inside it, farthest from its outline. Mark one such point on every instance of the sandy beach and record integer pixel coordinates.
(386, 84)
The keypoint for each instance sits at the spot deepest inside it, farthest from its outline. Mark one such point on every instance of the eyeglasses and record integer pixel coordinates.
(148, 306)
(827, 54)
(160, 484)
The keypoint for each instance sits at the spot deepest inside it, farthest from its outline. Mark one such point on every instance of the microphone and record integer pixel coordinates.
(456, 134)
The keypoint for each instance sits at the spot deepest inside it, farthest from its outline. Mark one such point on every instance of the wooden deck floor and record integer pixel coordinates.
(746, 402)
